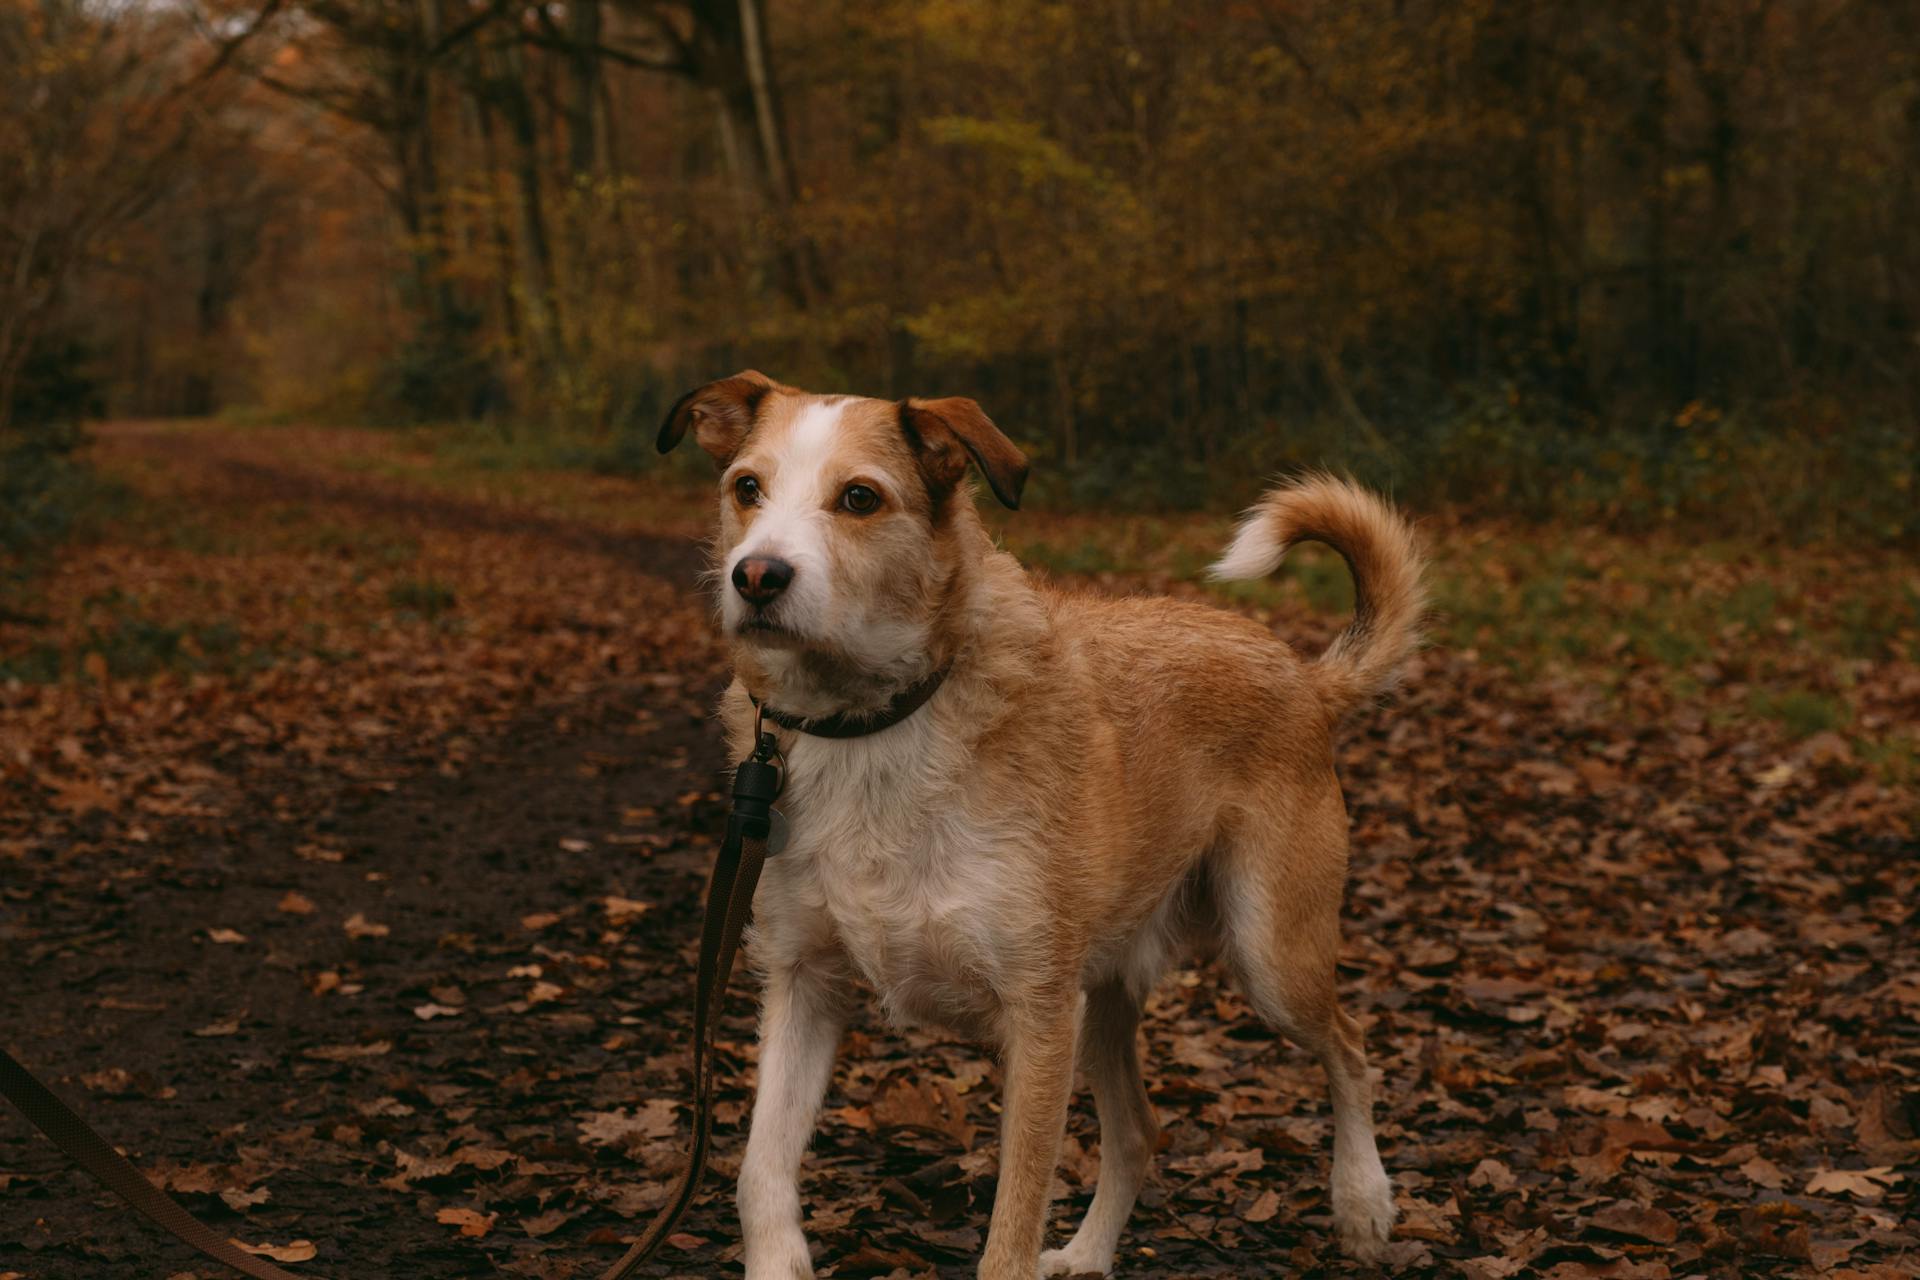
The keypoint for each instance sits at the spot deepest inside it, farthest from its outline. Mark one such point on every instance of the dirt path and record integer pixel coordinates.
(1644, 1003)
(294, 1061)
(233, 1060)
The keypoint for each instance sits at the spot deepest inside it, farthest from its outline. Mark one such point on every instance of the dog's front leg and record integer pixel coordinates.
(1039, 1085)
(800, 1023)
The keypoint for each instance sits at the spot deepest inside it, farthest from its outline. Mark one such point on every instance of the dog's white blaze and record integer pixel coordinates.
(800, 480)
(812, 434)
(791, 520)
(794, 518)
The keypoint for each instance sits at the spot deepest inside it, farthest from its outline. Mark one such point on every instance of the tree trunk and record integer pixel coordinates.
(480, 115)
(585, 153)
(508, 87)
(732, 57)
(420, 176)
(1064, 411)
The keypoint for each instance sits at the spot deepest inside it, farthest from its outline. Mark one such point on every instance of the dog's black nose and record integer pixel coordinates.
(760, 580)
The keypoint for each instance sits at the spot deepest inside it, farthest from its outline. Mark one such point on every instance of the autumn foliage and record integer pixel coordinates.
(357, 775)
(355, 798)
(1635, 260)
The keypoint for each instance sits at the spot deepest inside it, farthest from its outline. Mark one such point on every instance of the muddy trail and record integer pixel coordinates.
(412, 999)
(184, 990)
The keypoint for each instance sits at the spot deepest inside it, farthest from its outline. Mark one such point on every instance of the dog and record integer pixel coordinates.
(1093, 787)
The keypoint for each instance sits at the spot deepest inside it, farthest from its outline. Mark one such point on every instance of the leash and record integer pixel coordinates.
(754, 829)
(736, 870)
(91, 1152)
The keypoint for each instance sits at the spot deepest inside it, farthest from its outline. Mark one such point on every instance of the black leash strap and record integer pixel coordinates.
(736, 872)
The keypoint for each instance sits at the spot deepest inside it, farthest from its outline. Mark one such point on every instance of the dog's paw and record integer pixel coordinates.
(1363, 1209)
(781, 1258)
(1072, 1262)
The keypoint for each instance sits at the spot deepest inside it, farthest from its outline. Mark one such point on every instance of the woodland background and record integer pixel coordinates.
(357, 772)
(1626, 262)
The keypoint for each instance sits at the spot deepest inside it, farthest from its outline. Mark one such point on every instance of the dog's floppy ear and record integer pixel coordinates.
(720, 413)
(944, 433)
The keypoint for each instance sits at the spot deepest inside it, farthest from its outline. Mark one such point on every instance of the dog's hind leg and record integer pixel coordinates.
(1109, 1054)
(1280, 903)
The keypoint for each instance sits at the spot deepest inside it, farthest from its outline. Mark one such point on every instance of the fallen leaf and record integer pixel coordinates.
(1264, 1207)
(319, 853)
(1636, 1222)
(1492, 1175)
(109, 1080)
(1764, 1173)
(622, 911)
(358, 926)
(471, 1222)
(297, 1251)
(930, 1104)
(350, 1052)
(544, 1224)
(656, 1119)
(1867, 1184)
(240, 1201)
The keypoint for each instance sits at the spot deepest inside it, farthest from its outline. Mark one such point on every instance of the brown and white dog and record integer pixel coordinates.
(1097, 786)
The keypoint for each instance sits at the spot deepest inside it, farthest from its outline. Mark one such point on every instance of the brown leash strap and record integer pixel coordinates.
(736, 872)
(91, 1152)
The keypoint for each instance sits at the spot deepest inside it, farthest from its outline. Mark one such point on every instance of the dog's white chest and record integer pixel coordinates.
(883, 857)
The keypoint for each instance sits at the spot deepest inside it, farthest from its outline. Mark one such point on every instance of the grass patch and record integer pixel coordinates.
(47, 493)
(127, 644)
(560, 475)
(423, 599)
(511, 448)
(1801, 712)
(1596, 605)
(1087, 556)
(1896, 760)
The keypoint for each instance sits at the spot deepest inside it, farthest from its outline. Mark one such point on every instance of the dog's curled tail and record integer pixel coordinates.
(1380, 550)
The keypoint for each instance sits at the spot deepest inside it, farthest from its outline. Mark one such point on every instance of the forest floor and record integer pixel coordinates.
(356, 794)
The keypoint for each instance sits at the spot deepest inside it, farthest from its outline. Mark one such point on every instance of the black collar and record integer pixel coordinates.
(858, 724)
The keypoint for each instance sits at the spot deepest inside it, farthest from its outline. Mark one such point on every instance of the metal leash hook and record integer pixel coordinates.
(757, 783)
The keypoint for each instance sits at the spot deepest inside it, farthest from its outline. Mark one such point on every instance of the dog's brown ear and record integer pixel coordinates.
(720, 413)
(944, 433)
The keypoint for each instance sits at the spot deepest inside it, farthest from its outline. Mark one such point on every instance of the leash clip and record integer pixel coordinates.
(766, 748)
(757, 783)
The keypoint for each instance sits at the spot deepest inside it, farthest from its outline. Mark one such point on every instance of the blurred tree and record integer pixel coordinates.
(101, 109)
(1431, 239)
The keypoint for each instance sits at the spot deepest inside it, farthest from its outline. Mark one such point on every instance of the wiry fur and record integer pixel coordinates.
(1099, 786)
(1364, 660)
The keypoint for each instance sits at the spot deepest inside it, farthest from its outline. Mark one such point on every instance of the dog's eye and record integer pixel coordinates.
(747, 491)
(860, 500)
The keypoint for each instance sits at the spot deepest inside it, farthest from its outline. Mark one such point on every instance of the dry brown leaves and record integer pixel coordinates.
(1639, 978)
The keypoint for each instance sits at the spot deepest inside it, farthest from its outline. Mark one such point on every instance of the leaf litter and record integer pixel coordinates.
(1639, 981)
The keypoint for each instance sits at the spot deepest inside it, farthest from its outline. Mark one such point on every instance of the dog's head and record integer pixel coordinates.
(843, 520)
